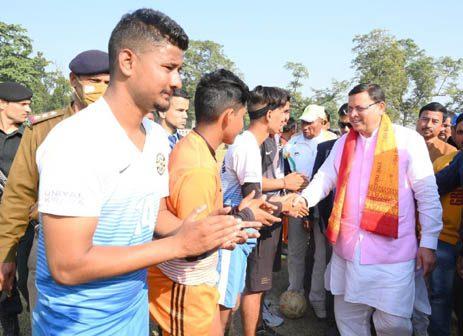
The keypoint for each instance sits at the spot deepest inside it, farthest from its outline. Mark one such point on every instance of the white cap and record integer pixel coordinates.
(313, 112)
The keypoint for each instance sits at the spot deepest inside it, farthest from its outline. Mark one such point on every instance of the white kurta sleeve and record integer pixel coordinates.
(325, 179)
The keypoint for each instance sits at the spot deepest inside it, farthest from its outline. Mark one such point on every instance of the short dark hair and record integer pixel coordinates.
(265, 98)
(459, 119)
(180, 93)
(374, 91)
(435, 107)
(343, 110)
(290, 125)
(144, 26)
(328, 116)
(218, 91)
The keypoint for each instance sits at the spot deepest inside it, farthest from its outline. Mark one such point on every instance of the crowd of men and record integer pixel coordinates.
(110, 217)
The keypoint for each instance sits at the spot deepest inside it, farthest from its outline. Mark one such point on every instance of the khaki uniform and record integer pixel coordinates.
(438, 148)
(19, 201)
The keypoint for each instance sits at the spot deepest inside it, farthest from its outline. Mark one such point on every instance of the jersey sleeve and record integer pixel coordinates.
(194, 189)
(69, 181)
(247, 164)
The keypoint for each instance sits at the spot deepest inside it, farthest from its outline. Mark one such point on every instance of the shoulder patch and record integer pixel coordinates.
(38, 118)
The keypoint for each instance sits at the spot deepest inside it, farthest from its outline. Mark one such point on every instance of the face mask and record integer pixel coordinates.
(91, 92)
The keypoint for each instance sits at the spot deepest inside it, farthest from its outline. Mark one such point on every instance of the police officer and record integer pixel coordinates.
(89, 78)
(15, 100)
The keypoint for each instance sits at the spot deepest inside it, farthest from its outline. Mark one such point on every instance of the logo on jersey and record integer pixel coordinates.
(161, 163)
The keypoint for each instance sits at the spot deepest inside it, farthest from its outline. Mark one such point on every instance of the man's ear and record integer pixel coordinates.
(162, 115)
(3, 104)
(382, 106)
(268, 115)
(73, 79)
(226, 117)
(126, 61)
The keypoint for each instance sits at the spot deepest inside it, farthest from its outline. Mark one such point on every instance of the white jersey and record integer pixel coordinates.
(242, 164)
(90, 168)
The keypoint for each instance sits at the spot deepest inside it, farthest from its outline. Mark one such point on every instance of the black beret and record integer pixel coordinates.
(14, 92)
(90, 62)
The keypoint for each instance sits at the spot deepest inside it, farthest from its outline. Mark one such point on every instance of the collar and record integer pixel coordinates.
(372, 136)
(211, 150)
(19, 130)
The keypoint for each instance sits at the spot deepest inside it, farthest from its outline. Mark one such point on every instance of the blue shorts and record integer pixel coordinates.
(232, 273)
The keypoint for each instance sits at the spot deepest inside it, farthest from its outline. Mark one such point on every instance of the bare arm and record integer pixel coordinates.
(291, 182)
(272, 184)
(73, 259)
(167, 223)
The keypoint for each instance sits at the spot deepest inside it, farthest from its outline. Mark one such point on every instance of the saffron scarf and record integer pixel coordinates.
(381, 212)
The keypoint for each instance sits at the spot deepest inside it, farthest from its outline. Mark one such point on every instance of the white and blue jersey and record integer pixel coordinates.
(242, 164)
(89, 168)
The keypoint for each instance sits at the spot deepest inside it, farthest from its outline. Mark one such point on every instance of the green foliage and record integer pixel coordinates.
(17, 63)
(299, 73)
(409, 77)
(332, 98)
(200, 58)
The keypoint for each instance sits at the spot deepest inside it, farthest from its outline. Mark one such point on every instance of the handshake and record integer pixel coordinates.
(264, 209)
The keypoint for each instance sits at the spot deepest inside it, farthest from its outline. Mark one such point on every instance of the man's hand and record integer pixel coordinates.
(7, 274)
(295, 182)
(244, 235)
(261, 209)
(460, 266)
(425, 259)
(196, 237)
(293, 205)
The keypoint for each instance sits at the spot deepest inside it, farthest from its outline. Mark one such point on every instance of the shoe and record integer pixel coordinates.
(270, 318)
(319, 309)
(264, 330)
(10, 325)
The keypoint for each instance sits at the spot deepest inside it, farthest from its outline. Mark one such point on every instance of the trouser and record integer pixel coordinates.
(297, 247)
(24, 249)
(317, 287)
(441, 288)
(353, 319)
(32, 265)
(458, 302)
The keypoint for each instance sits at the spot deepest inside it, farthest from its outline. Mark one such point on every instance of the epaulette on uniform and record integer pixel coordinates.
(38, 118)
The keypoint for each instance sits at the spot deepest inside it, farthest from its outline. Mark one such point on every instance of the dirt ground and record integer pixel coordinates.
(308, 325)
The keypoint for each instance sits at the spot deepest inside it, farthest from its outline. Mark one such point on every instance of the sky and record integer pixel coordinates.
(259, 36)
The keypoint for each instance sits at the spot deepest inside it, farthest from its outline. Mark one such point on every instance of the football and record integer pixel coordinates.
(293, 304)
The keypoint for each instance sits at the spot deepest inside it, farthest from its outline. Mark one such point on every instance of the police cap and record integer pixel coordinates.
(14, 92)
(90, 62)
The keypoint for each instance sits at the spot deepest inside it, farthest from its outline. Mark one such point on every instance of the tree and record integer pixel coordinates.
(200, 58)
(332, 98)
(450, 77)
(409, 77)
(17, 63)
(299, 73)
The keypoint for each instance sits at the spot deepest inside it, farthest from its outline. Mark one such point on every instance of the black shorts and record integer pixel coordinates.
(260, 261)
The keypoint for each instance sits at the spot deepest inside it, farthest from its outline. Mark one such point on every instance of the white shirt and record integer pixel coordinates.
(88, 160)
(242, 164)
(89, 167)
(302, 152)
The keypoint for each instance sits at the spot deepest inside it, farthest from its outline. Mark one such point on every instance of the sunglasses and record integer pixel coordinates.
(344, 125)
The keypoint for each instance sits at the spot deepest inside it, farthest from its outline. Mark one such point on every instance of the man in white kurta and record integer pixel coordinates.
(371, 274)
